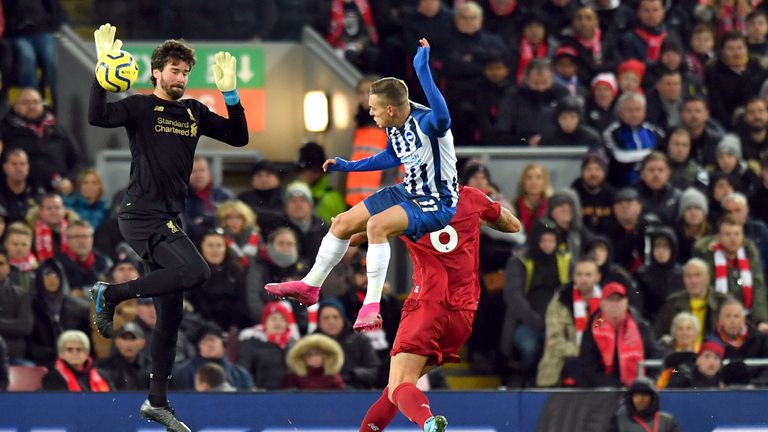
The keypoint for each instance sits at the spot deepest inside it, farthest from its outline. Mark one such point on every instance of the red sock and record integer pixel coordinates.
(379, 415)
(412, 402)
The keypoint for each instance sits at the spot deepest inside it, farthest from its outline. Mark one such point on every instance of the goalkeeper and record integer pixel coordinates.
(163, 131)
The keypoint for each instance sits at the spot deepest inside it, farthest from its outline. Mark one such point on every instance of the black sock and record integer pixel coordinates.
(158, 391)
(156, 283)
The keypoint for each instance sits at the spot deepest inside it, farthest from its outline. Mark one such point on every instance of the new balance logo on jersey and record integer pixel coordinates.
(373, 427)
(159, 108)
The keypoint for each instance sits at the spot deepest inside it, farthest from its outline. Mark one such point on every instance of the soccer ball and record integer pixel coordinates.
(117, 70)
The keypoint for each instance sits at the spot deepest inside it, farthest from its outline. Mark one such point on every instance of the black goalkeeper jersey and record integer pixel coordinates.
(163, 136)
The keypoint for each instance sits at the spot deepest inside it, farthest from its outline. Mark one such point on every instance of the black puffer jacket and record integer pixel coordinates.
(655, 280)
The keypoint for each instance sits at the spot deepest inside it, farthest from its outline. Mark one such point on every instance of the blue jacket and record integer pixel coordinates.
(94, 213)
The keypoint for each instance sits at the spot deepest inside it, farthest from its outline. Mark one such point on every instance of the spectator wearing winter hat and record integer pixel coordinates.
(733, 79)
(614, 343)
(692, 223)
(665, 100)
(629, 140)
(570, 131)
(300, 217)
(263, 347)
(599, 110)
(595, 195)
(630, 76)
(314, 363)
(686, 171)
(730, 162)
(328, 201)
(641, 410)
(705, 372)
(361, 364)
(211, 348)
(657, 195)
(565, 210)
(566, 72)
(265, 196)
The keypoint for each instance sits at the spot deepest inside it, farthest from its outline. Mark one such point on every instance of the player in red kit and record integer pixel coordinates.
(438, 313)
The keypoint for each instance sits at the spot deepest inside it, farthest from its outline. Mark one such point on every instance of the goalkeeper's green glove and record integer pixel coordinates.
(105, 40)
(225, 75)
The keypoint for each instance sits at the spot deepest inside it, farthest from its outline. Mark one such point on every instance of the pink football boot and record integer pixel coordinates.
(297, 290)
(368, 319)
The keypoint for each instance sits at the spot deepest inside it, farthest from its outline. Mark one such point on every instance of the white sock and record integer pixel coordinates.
(332, 249)
(376, 263)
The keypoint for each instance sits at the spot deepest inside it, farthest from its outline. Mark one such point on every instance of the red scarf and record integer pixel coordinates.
(645, 426)
(337, 21)
(580, 313)
(652, 43)
(722, 263)
(97, 383)
(246, 252)
(595, 45)
(629, 345)
(39, 128)
(86, 264)
(502, 7)
(26, 264)
(526, 214)
(527, 54)
(736, 341)
(283, 308)
(44, 239)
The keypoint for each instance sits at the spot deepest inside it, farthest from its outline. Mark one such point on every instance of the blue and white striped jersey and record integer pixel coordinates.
(429, 160)
(424, 144)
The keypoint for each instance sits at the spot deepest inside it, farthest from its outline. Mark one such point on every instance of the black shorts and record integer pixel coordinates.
(143, 231)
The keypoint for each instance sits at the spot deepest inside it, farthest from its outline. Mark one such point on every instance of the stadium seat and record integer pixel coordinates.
(26, 378)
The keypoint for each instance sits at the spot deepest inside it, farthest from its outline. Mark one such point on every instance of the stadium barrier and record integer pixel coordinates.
(493, 411)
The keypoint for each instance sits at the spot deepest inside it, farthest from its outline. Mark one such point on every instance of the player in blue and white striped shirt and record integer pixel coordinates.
(419, 138)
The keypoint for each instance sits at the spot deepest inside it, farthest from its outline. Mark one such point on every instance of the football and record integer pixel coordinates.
(116, 71)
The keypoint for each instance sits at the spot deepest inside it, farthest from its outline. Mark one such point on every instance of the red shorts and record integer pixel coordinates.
(432, 330)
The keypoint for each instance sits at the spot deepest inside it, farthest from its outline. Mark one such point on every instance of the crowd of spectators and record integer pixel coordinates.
(657, 250)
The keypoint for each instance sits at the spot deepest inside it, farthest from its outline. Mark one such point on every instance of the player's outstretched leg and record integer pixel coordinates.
(332, 250)
(392, 221)
(380, 414)
(105, 311)
(165, 415)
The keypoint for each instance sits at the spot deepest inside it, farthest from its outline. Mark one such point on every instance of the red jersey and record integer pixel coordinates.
(446, 262)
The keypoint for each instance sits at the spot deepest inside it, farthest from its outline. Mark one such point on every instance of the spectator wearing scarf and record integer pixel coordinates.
(615, 342)
(73, 370)
(263, 347)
